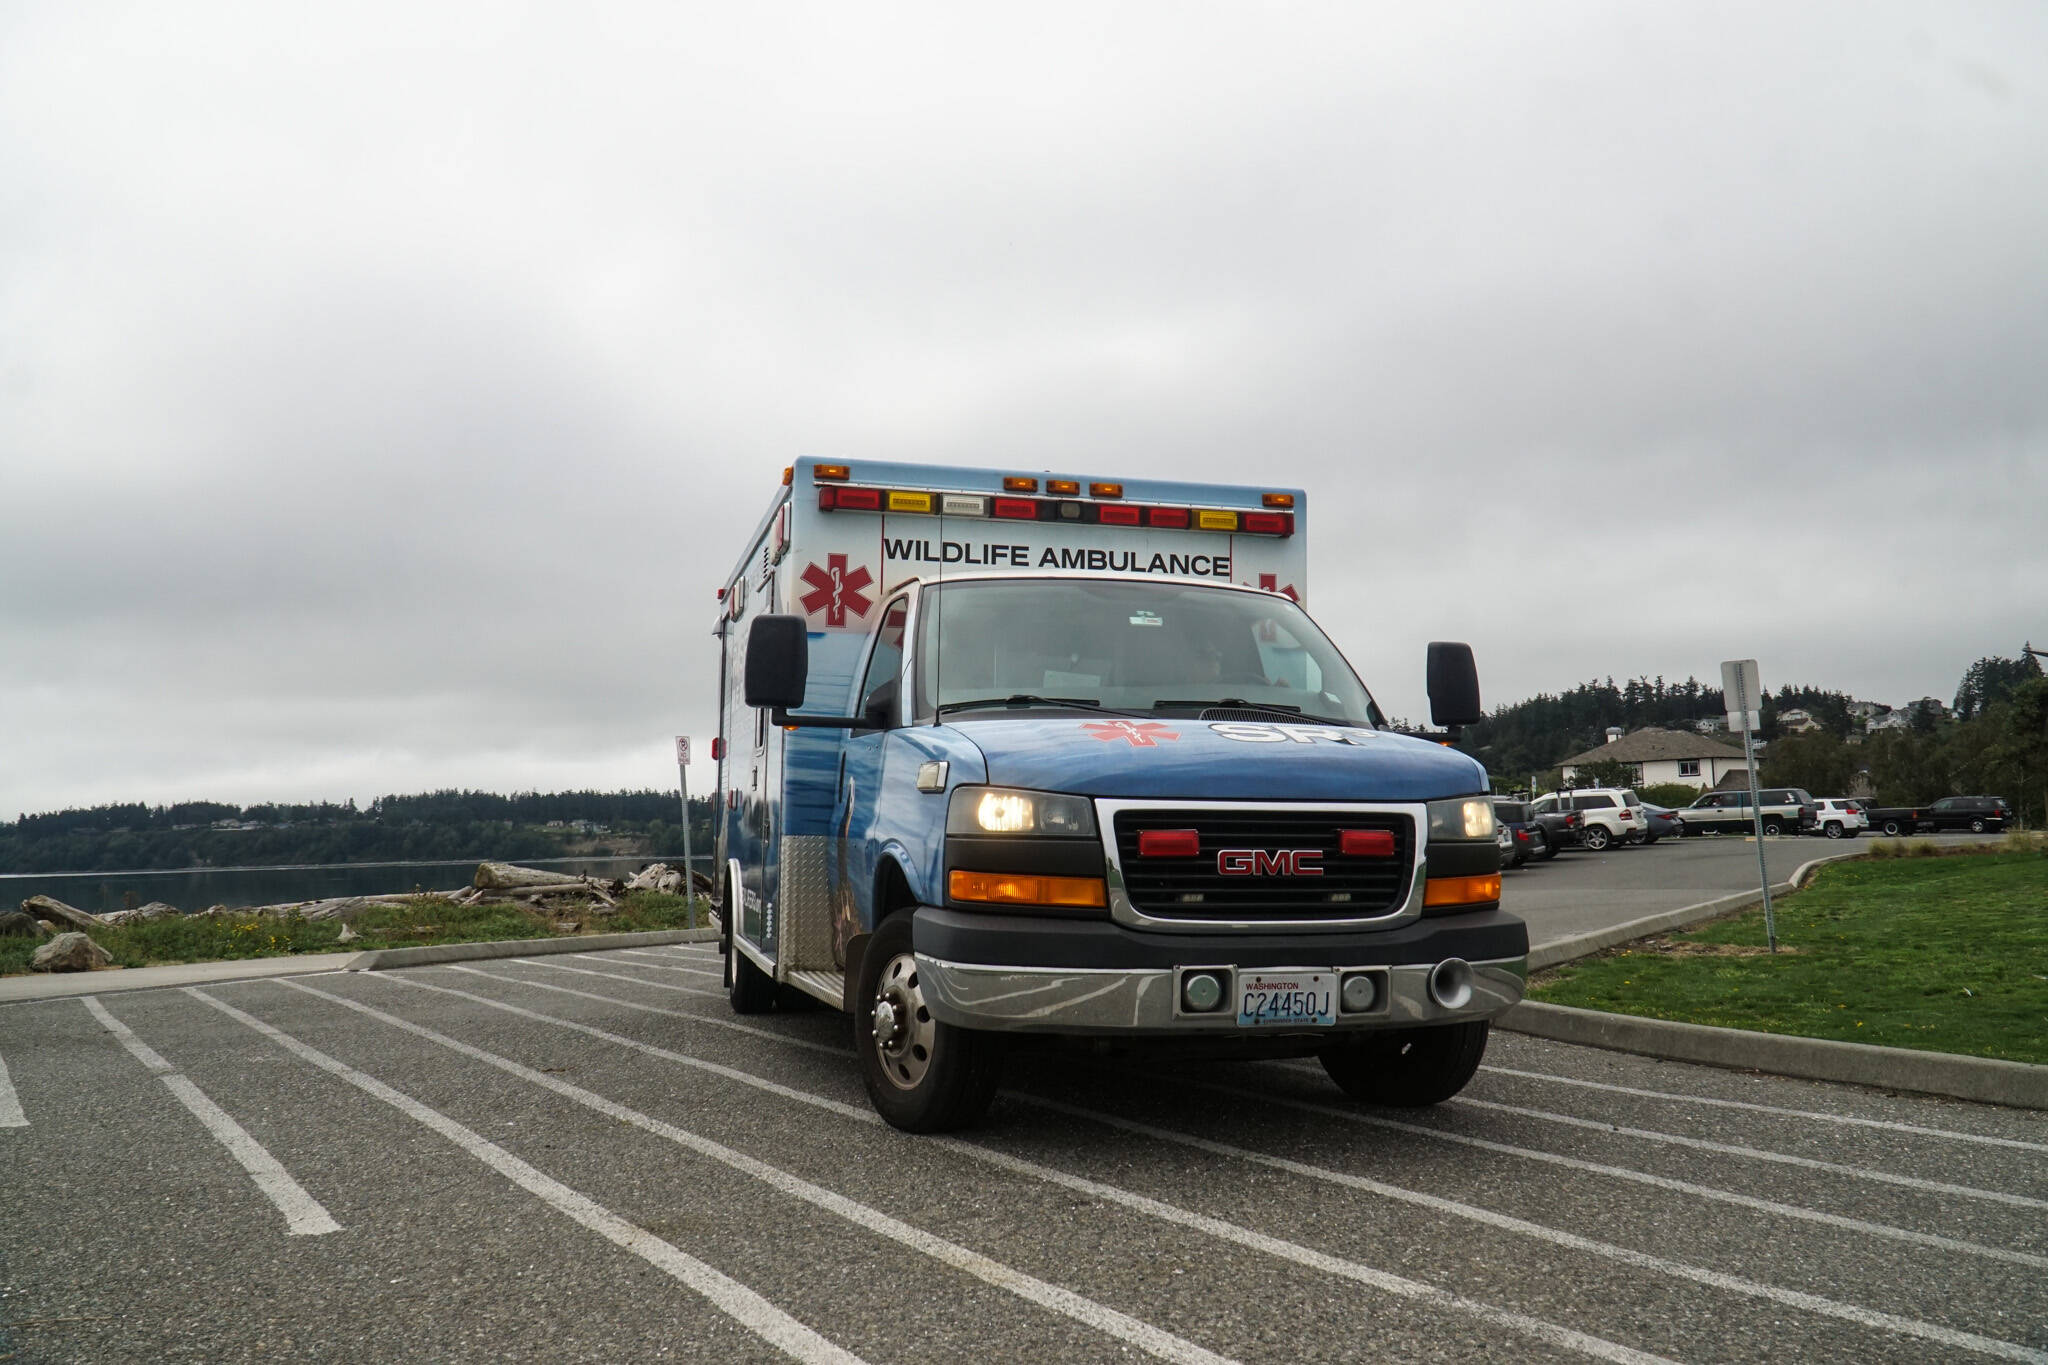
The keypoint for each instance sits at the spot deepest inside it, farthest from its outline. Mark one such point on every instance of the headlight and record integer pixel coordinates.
(1007, 810)
(1462, 817)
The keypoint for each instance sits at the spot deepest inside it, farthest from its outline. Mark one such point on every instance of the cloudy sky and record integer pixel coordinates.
(384, 389)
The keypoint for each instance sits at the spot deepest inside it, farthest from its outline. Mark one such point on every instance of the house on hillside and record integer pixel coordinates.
(1795, 721)
(1664, 756)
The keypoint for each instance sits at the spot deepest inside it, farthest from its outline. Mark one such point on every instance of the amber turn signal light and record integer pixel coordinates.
(1016, 888)
(1459, 890)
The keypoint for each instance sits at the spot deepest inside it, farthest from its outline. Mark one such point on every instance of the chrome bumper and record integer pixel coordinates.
(1124, 1001)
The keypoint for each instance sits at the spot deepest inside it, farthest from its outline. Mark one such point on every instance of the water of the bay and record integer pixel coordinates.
(198, 888)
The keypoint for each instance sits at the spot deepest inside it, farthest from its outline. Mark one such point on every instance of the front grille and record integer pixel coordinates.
(1350, 887)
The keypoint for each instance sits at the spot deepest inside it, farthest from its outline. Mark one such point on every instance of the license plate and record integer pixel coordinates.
(1265, 999)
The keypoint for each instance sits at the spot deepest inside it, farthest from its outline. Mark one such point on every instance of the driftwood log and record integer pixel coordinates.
(511, 876)
(56, 911)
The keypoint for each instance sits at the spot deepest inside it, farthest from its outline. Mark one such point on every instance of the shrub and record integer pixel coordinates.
(1670, 793)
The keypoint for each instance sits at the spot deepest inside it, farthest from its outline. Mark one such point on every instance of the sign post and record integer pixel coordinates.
(683, 784)
(1742, 693)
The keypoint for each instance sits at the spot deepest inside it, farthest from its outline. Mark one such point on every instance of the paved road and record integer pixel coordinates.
(1578, 892)
(586, 1157)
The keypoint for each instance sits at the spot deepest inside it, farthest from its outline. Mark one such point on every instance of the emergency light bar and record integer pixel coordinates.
(837, 497)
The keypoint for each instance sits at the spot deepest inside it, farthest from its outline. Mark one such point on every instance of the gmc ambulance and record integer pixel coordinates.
(1009, 758)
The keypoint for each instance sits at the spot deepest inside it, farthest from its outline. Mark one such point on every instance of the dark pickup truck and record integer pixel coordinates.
(1980, 814)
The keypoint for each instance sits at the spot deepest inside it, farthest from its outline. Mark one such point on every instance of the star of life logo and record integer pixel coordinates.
(1140, 734)
(835, 590)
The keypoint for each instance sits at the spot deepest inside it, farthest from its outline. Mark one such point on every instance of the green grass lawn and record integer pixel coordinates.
(424, 920)
(1945, 954)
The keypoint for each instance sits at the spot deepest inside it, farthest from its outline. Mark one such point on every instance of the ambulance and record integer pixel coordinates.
(1010, 759)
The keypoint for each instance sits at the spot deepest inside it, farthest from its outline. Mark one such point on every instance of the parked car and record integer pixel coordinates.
(1786, 810)
(1561, 826)
(1611, 815)
(1981, 814)
(1660, 821)
(1522, 838)
(1839, 817)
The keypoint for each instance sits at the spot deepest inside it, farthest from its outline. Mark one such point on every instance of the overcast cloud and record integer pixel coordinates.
(385, 389)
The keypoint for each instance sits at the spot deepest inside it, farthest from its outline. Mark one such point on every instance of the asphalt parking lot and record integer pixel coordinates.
(1578, 891)
(586, 1157)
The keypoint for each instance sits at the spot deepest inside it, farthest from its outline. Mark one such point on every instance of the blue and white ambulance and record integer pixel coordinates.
(1006, 758)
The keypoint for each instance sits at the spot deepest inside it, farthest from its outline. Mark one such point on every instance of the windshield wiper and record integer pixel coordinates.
(1029, 699)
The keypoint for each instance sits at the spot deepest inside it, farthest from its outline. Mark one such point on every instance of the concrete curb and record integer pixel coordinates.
(1571, 949)
(381, 959)
(1982, 1079)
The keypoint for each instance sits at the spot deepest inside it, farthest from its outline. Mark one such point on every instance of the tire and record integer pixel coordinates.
(1771, 828)
(925, 1076)
(1407, 1068)
(1596, 837)
(748, 989)
(1833, 830)
(1891, 827)
(1976, 827)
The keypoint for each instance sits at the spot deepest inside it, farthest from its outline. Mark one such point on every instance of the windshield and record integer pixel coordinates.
(1136, 648)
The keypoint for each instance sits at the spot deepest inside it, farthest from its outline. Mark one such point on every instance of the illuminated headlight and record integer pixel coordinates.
(1463, 817)
(1007, 810)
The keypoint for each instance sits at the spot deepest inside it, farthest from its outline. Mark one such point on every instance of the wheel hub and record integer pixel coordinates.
(904, 1031)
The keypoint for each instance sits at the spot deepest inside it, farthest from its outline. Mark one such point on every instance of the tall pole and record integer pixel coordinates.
(689, 860)
(1756, 816)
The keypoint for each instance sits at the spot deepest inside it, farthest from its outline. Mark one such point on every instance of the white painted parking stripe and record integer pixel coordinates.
(1597, 1347)
(10, 1103)
(1640, 1260)
(1143, 1335)
(669, 966)
(614, 976)
(1747, 1201)
(1909, 1182)
(303, 1214)
(731, 1297)
(1888, 1125)
(749, 1029)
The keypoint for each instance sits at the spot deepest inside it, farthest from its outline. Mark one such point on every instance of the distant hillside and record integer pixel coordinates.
(1534, 735)
(433, 825)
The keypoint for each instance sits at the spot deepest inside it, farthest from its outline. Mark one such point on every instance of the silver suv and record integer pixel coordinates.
(1611, 815)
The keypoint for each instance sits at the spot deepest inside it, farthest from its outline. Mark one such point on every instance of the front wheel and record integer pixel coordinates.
(1834, 829)
(1596, 837)
(922, 1076)
(1407, 1068)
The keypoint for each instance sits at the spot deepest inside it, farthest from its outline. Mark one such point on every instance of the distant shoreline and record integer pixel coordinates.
(322, 867)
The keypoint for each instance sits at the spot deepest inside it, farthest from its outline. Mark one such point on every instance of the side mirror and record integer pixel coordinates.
(880, 711)
(1453, 685)
(778, 662)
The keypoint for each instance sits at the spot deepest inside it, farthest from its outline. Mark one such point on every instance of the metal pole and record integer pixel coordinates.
(689, 887)
(1756, 816)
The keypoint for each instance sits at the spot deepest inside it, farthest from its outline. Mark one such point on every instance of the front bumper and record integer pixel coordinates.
(1026, 974)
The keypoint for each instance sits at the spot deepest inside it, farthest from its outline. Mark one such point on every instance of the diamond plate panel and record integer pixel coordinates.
(806, 943)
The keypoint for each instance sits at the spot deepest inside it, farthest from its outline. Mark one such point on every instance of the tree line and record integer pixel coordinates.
(444, 825)
(1995, 742)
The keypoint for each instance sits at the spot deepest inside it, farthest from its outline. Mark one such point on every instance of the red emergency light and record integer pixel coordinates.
(1119, 514)
(850, 499)
(1168, 518)
(1169, 843)
(1366, 843)
(1017, 509)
